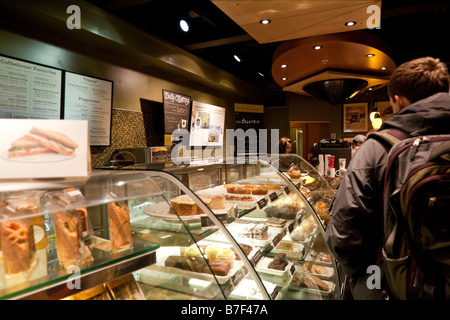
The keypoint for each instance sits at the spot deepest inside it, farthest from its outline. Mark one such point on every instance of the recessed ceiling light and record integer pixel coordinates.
(237, 58)
(284, 79)
(284, 66)
(317, 47)
(370, 55)
(264, 21)
(350, 23)
(184, 25)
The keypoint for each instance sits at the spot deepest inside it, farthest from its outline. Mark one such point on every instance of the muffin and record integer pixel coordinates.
(192, 251)
(211, 251)
(226, 255)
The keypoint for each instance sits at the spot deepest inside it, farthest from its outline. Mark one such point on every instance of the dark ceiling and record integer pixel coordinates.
(411, 28)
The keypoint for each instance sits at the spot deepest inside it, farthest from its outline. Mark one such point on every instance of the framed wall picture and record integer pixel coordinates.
(384, 108)
(355, 117)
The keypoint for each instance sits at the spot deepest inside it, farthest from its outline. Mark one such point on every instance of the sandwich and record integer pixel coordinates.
(25, 147)
(55, 141)
(39, 141)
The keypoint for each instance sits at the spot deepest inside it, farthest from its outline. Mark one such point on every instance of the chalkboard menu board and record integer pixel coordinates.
(89, 98)
(29, 90)
(177, 109)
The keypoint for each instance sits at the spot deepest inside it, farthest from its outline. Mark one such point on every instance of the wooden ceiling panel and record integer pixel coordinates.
(296, 19)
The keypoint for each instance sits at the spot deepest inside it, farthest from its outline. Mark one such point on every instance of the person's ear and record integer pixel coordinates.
(401, 101)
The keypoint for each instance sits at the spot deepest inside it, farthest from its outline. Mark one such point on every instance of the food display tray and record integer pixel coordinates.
(164, 252)
(309, 258)
(263, 267)
(248, 290)
(295, 254)
(262, 243)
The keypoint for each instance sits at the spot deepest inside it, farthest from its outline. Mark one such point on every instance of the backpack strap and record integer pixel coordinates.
(391, 136)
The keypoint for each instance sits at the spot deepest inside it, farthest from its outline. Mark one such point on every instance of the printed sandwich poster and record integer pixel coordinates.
(43, 148)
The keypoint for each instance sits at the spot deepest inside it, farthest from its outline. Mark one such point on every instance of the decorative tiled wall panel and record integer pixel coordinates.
(127, 131)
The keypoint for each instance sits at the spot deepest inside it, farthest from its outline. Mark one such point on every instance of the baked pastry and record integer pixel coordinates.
(238, 198)
(299, 234)
(276, 222)
(304, 280)
(192, 251)
(206, 200)
(294, 174)
(271, 187)
(260, 191)
(245, 247)
(177, 262)
(119, 226)
(239, 190)
(226, 255)
(319, 270)
(219, 268)
(18, 249)
(277, 211)
(285, 245)
(258, 231)
(68, 236)
(183, 206)
(212, 250)
(279, 262)
(214, 201)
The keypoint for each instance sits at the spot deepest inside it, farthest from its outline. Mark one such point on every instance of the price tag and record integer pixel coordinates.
(237, 277)
(273, 196)
(286, 189)
(291, 227)
(262, 203)
(257, 257)
(292, 270)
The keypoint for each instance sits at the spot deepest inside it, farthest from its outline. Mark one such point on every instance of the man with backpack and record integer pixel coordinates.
(366, 213)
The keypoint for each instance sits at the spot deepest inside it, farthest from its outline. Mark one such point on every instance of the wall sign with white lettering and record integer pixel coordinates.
(89, 98)
(29, 90)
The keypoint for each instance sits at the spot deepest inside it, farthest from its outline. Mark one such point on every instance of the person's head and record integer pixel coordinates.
(285, 145)
(416, 80)
(358, 141)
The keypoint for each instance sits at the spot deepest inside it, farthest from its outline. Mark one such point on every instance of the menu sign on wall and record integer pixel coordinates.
(177, 108)
(29, 90)
(207, 125)
(88, 98)
(248, 116)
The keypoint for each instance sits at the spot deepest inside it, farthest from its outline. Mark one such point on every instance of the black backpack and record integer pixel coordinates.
(417, 215)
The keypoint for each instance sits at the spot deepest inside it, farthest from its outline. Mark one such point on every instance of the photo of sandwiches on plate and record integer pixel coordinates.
(42, 141)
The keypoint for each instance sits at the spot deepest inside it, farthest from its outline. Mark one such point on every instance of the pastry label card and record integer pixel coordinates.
(43, 148)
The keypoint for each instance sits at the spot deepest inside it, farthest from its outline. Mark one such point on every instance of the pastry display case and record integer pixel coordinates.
(245, 231)
(315, 187)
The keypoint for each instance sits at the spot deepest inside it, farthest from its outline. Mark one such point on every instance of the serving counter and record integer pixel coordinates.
(219, 231)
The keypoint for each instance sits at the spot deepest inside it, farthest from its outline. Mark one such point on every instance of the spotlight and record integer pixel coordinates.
(184, 25)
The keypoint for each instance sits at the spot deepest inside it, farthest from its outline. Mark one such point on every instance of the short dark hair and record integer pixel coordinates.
(419, 78)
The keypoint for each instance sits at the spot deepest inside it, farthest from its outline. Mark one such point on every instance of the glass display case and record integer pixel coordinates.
(248, 232)
(315, 187)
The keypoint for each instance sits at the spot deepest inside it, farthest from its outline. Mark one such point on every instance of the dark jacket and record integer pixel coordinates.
(355, 232)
